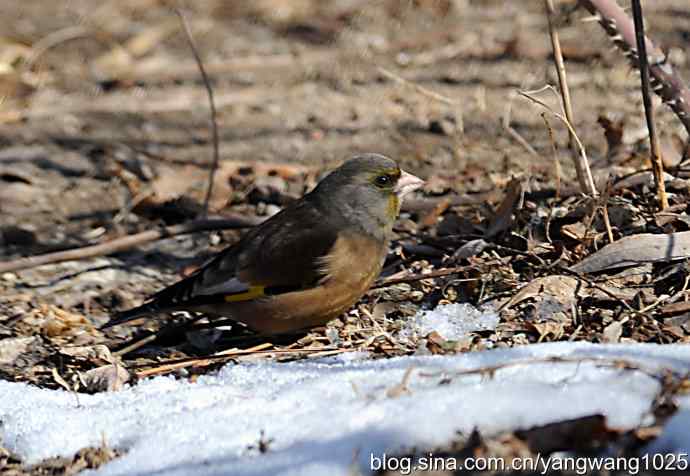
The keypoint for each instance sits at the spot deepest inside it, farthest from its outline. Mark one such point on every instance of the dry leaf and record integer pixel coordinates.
(561, 288)
(107, 378)
(11, 349)
(60, 381)
(401, 388)
(545, 329)
(469, 249)
(612, 333)
(62, 323)
(89, 352)
(503, 219)
(635, 250)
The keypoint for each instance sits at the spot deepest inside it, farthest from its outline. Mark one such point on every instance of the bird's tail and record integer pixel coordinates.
(131, 314)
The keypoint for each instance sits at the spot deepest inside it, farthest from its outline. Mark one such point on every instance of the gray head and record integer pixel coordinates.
(366, 191)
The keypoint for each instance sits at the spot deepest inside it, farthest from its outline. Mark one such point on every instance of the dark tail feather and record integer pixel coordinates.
(131, 314)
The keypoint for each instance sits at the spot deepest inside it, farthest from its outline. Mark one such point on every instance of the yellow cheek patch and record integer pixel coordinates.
(393, 206)
(252, 293)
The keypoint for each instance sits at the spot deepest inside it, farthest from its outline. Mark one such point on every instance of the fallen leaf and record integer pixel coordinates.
(11, 349)
(546, 329)
(512, 201)
(612, 333)
(431, 218)
(99, 353)
(62, 323)
(401, 388)
(561, 288)
(469, 249)
(107, 378)
(635, 250)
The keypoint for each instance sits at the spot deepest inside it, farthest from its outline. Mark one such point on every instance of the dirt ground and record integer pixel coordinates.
(105, 131)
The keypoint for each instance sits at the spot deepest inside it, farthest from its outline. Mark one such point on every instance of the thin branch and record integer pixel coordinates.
(584, 174)
(659, 374)
(230, 354)
(664, 79)
(214, 122)
(420, 89)
(428, 93)
(505, 122)
(554, 149)
(563, 119)
(176, 364)
(419, 277)
(657, 165)
(54, 39)
(127, 242)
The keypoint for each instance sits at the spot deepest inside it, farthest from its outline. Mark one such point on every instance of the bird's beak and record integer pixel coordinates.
(407, 183)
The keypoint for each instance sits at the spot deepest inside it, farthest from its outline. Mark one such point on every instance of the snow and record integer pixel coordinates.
(326, 416)
(451, 321)
(323, 416)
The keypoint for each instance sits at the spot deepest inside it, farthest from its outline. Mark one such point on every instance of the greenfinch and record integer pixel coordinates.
(305, 265)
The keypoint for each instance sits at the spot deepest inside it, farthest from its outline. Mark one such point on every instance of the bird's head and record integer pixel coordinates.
(368, 190)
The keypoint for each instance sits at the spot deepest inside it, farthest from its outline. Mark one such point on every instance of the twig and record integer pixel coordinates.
(622, 364)
(505, 122)
(418, 277)
(176, 364)
(137, 344)
(657, 165)
(420, 89)
(232, 353)
(664, 80)
(638, 312)
(428, 93)
(126, 242)
(604, 204)
(554, 149)
(584, 174)
(563, 119)
(214, 122)
(54, 39)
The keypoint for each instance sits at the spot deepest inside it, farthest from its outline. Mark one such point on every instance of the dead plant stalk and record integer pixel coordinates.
(126, 242)
(655, 152)
(584, 174)
(212, 105)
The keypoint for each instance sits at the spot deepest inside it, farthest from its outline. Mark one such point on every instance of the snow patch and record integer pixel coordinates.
(324, 416)
(451, 321)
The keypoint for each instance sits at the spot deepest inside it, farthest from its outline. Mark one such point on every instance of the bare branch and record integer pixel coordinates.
(657, 165)
(584, 174)
(212, 104)
(126, 242)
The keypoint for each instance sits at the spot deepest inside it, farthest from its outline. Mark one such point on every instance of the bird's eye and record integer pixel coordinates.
(383, 180)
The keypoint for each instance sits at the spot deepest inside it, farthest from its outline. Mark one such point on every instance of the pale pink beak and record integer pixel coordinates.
(407, 183)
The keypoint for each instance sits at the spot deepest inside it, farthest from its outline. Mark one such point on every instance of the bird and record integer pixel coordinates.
(304, 266)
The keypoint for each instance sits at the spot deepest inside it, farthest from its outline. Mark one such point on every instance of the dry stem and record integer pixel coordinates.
(564, 120)
(657, 165)
(126, 242)
(214, 122)
(584, 174)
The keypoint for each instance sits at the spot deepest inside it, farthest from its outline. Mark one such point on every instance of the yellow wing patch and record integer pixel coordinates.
(252, 293)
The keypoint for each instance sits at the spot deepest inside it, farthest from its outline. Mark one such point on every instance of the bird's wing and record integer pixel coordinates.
(283, 254)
